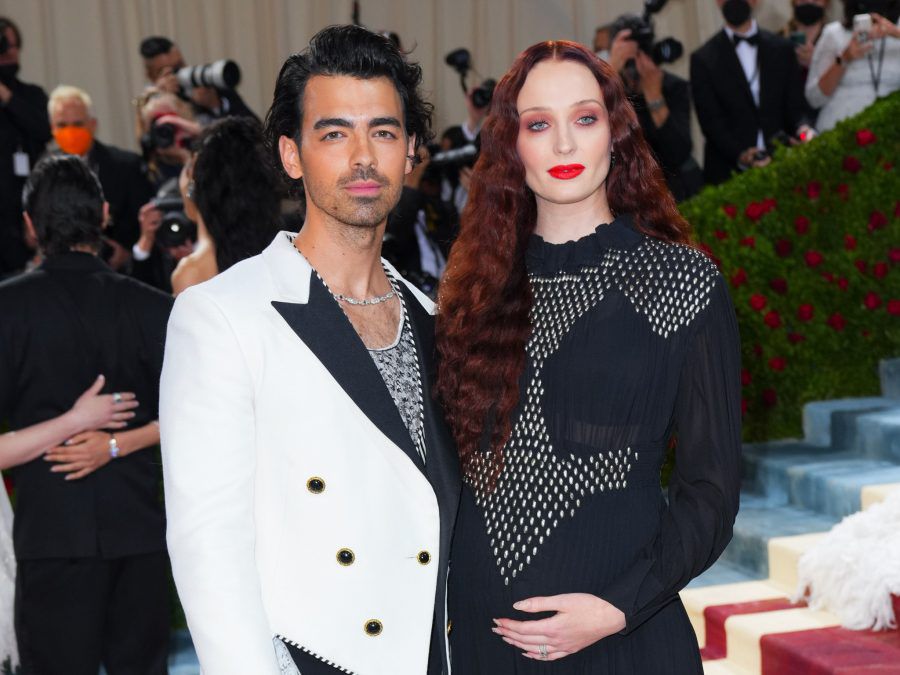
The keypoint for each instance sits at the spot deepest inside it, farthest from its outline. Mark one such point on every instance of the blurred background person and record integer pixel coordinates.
(163, 60)
(661, 100)
(24, 131)
(122, 173)
(165, 129)
(89, 535)
(602, 41)
(851, 68)
(803, 30)
(230, 191)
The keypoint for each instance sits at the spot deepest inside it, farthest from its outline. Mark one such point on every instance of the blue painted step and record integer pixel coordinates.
(889, 373)
(833, 487)
(878, 434)
(723, 572)
(833, 423)
(760, 520)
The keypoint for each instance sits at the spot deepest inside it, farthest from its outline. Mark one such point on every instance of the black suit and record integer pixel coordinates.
(126, 187)
(60, 326)
(725, 108)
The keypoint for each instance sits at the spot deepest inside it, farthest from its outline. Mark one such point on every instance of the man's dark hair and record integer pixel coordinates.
(344, 50)
(64, 200)
(5, 23)
(155, 45)
(236, 189)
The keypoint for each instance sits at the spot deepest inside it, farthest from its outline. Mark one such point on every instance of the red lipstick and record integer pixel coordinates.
(566, 171)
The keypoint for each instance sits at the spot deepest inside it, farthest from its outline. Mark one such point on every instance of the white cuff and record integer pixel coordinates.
(139, 254)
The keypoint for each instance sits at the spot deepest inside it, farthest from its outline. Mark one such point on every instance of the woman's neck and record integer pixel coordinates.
(559, 223)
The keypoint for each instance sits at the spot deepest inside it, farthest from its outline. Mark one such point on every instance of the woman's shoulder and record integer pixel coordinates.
(196, 268)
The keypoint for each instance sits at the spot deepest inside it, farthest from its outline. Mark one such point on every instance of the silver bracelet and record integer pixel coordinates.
(113, 446)
(656, 104)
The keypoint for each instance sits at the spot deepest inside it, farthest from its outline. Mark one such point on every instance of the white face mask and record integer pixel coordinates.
(603, 54)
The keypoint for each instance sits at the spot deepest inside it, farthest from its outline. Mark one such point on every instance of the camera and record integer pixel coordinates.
(667, 50)
(461, 61)
(481, 95)
(222, 74)
(176, 228)
(458, 157)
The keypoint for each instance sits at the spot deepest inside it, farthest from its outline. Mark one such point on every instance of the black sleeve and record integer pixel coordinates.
(673, 138)
(714, 121)
(236, 105)
(139, 191)
(28, 111)
(704, 488)
(795, 97)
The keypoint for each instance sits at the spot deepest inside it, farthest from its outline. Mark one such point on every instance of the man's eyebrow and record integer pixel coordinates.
(385, 122)
(347, 124)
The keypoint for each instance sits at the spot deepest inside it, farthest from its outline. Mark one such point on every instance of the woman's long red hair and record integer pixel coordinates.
(485, 299)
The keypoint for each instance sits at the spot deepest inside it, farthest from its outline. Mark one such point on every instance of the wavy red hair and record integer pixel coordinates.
(485, 298)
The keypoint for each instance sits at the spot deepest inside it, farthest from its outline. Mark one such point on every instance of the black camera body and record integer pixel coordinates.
(455, 158)
(667, 50)
(482, 95)
(461, 61)
(176, 228)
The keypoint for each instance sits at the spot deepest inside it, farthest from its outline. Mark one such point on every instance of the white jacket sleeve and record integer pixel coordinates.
(207, 436)
(826, 49)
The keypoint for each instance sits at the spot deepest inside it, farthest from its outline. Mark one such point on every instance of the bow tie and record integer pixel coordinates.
(752, 40)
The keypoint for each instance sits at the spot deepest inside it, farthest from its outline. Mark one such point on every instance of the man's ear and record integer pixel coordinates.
(290, 157)
(410, 154)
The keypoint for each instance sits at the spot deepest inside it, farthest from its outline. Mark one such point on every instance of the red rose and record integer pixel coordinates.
(755, 211)
(757, 302)
(865, 137)
(880, 270)
(837, 321)
(888, 166)
(828, 276)
(739, 278)
(772, 319)
(749, 242)
(877, 220)
(897, 210)
(813, 258)
(769, 204)
(769, 398)
(849, 242)
(843, 190)
(851, 164)
(783, 247)
(872, 300)
(746, 378)
(894, 255)
(801, 224)
(805, 312)
(730, 210)
(794, 338)
(720, 234)
(893, 307)
(813, 188)
(779, 285)
(777, 363)
(843, 283)
(861, 265)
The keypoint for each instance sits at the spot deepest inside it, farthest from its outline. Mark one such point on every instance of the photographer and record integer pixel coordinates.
(24, 130)
(163, 61)
(165, 128)
(660, 99)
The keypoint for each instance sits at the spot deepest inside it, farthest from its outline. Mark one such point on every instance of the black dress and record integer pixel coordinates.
(633, 339)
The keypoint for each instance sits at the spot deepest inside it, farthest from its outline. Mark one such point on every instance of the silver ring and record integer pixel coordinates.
(543, 650)
(117, 397)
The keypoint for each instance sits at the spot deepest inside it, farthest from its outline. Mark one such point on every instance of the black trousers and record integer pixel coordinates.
(73, 614)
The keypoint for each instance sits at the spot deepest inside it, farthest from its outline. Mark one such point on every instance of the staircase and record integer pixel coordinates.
(794, 492)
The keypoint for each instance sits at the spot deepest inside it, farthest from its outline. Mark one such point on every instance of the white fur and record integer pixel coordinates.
(855, 569)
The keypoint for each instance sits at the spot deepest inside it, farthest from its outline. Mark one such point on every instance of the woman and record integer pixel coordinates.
(848, 72)
(576, 331)
(92, 410)
(230, 190)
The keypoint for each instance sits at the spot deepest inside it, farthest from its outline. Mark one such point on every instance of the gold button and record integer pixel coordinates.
(424, 557)
(345, 557)
(315, 485)
(373, 627)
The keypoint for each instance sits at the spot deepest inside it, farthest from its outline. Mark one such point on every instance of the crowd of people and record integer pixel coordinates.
(95, 242)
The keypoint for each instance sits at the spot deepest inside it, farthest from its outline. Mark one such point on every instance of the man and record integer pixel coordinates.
(747, 91)
(92, 583)
(122, 174)
(311, 484)
(163, 59)
(24, 130)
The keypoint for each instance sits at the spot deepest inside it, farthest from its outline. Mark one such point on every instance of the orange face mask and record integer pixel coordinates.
(74, 140)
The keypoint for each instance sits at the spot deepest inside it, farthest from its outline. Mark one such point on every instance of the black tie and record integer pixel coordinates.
(752, 40)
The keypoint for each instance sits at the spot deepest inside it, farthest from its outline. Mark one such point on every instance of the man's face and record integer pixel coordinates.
(12, 54)
(162, 64)
(353, 148)
(71, 112)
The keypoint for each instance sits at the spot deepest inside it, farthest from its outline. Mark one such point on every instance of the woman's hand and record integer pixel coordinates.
(581, 620)
(856, 49)
(94, 410)
(82, 454)
(882, 27)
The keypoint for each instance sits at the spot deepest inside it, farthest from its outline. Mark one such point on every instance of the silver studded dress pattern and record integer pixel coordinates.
(633, 339)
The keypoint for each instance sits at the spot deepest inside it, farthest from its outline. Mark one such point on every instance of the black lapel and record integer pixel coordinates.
(731, 64)
(328, 333)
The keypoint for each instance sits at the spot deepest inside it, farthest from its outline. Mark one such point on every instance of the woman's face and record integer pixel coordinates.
(564, 137)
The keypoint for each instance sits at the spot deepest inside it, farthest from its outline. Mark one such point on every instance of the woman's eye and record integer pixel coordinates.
(538, 125)
(586, 120)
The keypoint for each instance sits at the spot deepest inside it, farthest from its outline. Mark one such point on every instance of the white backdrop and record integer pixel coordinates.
(94, 43)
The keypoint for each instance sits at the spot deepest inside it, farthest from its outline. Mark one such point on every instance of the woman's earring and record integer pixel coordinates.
(612, 159)
(190, 189)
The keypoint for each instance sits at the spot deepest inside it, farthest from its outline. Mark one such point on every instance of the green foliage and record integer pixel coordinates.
(819, 226)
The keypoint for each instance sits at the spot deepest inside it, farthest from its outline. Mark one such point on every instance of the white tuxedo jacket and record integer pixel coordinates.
(298, 508)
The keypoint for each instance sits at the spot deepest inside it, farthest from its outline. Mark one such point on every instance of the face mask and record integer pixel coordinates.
(808, 14)
(74, 140)
(8, 72)
(736, 12)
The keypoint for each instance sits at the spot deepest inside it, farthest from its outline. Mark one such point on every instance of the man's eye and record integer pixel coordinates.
(332, 135)
(384, 133)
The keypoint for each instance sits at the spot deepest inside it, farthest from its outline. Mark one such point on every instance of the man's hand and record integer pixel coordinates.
(651, 76)
(881, 27)
(581, 620)
(5, 94)
(167, 82)
(856, 49)
(622, 50)
(149, 218)
(82, 454)
(748, 159)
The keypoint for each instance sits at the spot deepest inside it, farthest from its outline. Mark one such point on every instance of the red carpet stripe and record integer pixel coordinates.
(831, 651)
(714, 617)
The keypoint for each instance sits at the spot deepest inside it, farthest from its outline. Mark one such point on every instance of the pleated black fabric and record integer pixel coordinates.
(633, 340)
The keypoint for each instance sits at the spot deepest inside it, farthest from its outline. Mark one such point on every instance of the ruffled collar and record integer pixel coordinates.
(544, 258)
